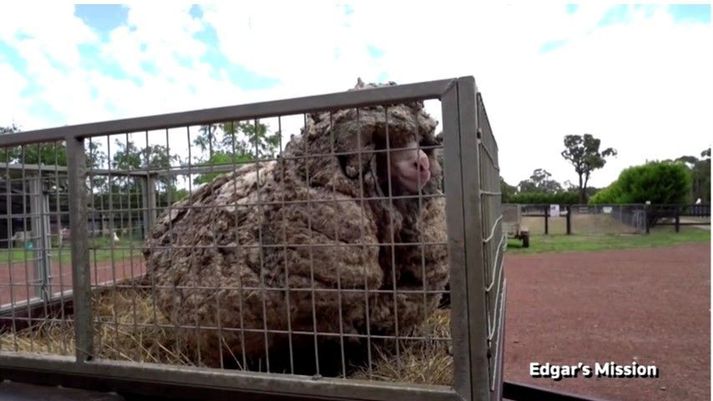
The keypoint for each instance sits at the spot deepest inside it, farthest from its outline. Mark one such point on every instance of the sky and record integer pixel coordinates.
(640, 78)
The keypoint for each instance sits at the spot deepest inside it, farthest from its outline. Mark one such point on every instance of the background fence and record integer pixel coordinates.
(610, 219)
(80, 201)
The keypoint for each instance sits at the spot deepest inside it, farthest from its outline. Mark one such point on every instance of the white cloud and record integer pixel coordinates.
(643, 87)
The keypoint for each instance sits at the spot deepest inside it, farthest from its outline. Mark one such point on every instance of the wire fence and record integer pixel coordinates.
(303, 239)
(610, 219)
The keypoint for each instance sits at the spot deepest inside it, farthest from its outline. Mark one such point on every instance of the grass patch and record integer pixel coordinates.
(659, 236)
(100, 251)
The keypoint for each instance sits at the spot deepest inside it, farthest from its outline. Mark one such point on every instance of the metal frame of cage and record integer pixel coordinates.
(475, 247)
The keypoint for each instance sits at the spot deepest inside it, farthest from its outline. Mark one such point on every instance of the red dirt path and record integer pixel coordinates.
(23, 275)
(648, 305)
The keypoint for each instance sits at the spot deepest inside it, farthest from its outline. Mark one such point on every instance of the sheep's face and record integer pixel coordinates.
(397, 139)
(410, 168)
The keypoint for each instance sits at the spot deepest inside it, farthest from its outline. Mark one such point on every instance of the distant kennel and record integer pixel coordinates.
(115, 182)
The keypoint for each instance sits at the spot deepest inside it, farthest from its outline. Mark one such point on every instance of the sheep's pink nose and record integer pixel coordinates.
(421, 165)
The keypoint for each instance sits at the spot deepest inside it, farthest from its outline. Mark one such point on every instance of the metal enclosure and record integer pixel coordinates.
(138, 196)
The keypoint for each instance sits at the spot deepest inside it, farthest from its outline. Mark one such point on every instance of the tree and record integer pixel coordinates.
(540, 181)
(152, 157)
(583, 153)
(234, 143)
(700, 170)
(658, 182)
(53, 153)
(542, 198)
(507, 191)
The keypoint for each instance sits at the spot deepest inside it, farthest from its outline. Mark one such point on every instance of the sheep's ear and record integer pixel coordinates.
(439, 138)
(355, 146)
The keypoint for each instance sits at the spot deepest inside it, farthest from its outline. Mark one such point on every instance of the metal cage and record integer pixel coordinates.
(64, 290)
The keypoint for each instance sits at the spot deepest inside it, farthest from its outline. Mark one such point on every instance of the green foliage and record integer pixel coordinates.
(507, 191)
(221, 158)
(250, 138)
(540, 181)
(700, 170)
(234, 143)
(608, 195)
(562, 198)
(658, 182)
(583, 153)
(152, 157)
(45, 153)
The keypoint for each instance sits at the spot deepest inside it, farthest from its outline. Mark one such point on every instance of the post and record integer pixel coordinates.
(677, 212)
(463, 203)
(646, 217)
(547, 215)
(569, 219)
(148, 203)
(39, 238)
(81, 280)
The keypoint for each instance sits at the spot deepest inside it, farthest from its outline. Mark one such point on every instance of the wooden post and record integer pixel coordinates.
(647, 210)
(677, 211)
(547, 215)
(569, 219)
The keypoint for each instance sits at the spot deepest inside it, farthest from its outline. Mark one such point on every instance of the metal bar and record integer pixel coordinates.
(527, 392)
(81, 280)
(472, 279)
(45, 242)
(462, 369)
(235, 380)
(143, 182)
(500, 350)
(10, 245)
(38, 236)
(151, 197)
(307, 104)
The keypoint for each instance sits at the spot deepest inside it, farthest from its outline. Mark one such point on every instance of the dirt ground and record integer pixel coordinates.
(651, 306)
(19, 281)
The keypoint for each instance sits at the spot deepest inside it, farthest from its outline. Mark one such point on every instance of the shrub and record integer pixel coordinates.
(658, 182)
(561, 198)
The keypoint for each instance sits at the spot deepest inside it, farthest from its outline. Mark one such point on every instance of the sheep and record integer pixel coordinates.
(311, 241)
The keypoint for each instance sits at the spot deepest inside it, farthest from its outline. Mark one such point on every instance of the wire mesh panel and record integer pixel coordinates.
(35, 272)
(494, 243)
(678, 215)
(301, 240)
(608, 219)
(544, 218)
(319, 262)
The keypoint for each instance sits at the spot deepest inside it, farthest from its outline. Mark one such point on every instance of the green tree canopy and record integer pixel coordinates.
(46, 153)
(540, 181)
(700, 170)
(658, 182)
(507, 191)
(234, 143)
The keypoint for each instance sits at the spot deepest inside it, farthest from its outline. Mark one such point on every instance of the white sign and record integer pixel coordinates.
(606, 209)
(554, 210)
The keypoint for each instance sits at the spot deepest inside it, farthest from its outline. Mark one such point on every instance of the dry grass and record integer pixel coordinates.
(418, 361)
(129, 328)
